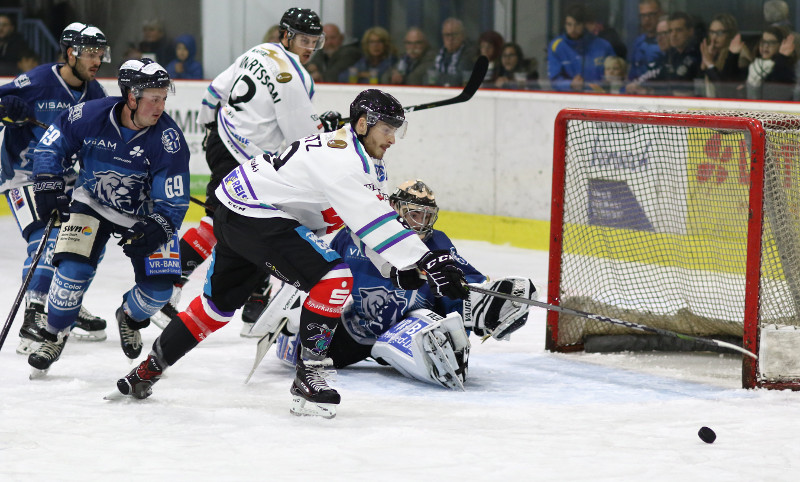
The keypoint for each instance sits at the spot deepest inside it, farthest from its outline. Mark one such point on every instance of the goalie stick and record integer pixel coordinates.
(27, 281)
(614, 321)
(263, 346)
(474, 82)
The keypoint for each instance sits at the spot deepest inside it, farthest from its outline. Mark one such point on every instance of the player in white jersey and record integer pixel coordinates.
(273, 210)
(260, 101)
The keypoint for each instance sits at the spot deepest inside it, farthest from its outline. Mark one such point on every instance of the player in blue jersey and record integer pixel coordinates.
(400, 310)
(41, 95)
(133, 183)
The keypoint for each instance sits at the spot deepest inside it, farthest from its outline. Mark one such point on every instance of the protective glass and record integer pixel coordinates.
(310, 42)
(93, 51)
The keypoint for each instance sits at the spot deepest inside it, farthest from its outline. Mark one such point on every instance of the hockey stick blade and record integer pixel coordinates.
(614, 321)
(474, 82)
(263, 346)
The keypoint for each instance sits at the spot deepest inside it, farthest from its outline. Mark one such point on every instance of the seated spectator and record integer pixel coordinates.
(515, 71)
(185, 66)
(771, 75)
(28, 59)
(607, 33)
(334, 57)
(576, 57)
(615, 70)
(490, 43)
(378, 57)
(414, 64)
(273, 35)
(646, 50)
(131, 52)
(11, 46)
(155, 45)
(456, 58)
(681, 65)
(724, 59)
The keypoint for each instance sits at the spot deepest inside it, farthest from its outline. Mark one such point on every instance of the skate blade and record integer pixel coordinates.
(83, 335)
(303, 408)
(37, 374)
(116, 395)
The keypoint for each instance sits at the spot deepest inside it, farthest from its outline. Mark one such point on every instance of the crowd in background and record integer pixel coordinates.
(675, 54)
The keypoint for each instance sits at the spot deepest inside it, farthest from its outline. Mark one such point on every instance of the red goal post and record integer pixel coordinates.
(685, 221)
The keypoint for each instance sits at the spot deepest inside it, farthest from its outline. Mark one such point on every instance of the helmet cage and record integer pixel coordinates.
(419, 217)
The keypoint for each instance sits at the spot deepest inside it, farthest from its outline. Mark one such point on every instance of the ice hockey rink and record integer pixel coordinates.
(526, 414)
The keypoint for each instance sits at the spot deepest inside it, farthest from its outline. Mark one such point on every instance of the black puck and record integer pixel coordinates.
(707, 435)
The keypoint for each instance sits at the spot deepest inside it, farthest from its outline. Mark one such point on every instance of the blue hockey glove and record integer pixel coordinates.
(49, 196)
(144, 237)
(330, 120)
(406, 279)
(445, 278)
(14, 112)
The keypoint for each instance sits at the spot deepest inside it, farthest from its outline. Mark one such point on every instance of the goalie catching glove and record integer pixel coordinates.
(489, 315)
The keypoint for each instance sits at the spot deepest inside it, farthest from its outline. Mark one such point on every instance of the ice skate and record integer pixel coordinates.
(139, 382)
(34, 320)
(48, 352)
(89, 327)
(311, 394)
(129, 338)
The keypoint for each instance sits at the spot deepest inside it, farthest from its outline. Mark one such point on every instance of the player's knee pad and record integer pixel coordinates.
(66, 292)
(286, 303)
(146, 299)
(202, 317)
(427, 347)
(328, 296)
(490, 315)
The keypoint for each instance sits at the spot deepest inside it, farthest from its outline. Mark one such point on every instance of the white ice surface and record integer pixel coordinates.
(527, 414)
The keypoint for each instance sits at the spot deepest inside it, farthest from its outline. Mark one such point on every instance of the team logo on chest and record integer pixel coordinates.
(122, 191)
(171, 140)
(136, 151)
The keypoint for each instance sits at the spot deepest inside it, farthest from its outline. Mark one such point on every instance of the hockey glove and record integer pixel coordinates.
(445, 278)
(488, 315)
(144, 237)
(406, 279)
(14, 112)
(330, 120)
(49, 196)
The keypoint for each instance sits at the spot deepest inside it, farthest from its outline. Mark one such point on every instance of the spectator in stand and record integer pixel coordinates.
(414, 64)
(155, 45)
(11, 46)
(185, 66)
(646, 50)
(378, 57)
(615, 71)
(771, 75)
(605, 32)
(28, 60)
(456, 58)
(335, 56)
(725, 59)
(515, 71)
(675, 76)
(490, 44)
(273, 35)
(576, 57)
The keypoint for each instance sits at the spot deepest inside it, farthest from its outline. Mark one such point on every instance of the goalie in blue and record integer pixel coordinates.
(393, 317)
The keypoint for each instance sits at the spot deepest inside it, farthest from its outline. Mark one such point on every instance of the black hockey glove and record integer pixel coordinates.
(14, 112)
(445, 278)
(406, 279)
(330, 120)
(49, 196)
(144, 237)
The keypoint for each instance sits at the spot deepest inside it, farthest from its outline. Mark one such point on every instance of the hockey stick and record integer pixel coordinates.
(614, 321)
(28, 277)
(474, 82)
(201, 203)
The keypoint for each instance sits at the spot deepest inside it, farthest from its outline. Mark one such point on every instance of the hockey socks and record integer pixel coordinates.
(196, 245)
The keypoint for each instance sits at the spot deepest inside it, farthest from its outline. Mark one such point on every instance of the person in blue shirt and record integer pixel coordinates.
(384, 305)
(133, 183)
(30, 101)
(185, 66)
(575, 58)
(646, 50)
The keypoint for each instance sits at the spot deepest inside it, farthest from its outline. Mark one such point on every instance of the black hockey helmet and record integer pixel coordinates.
(139, 74)
(83, 35)
(305, 21)
(378, 106)
(416, 203)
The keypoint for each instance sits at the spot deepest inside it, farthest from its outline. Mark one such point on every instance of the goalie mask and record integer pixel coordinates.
(415, 202)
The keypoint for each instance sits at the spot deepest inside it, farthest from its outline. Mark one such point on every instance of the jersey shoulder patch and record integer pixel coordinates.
(339, 142)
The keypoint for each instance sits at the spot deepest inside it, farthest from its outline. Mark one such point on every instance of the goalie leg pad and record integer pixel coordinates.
(286, 303)
(489, 315)
(427, 347)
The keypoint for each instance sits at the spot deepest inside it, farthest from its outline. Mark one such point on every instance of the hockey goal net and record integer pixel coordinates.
(685, 221)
